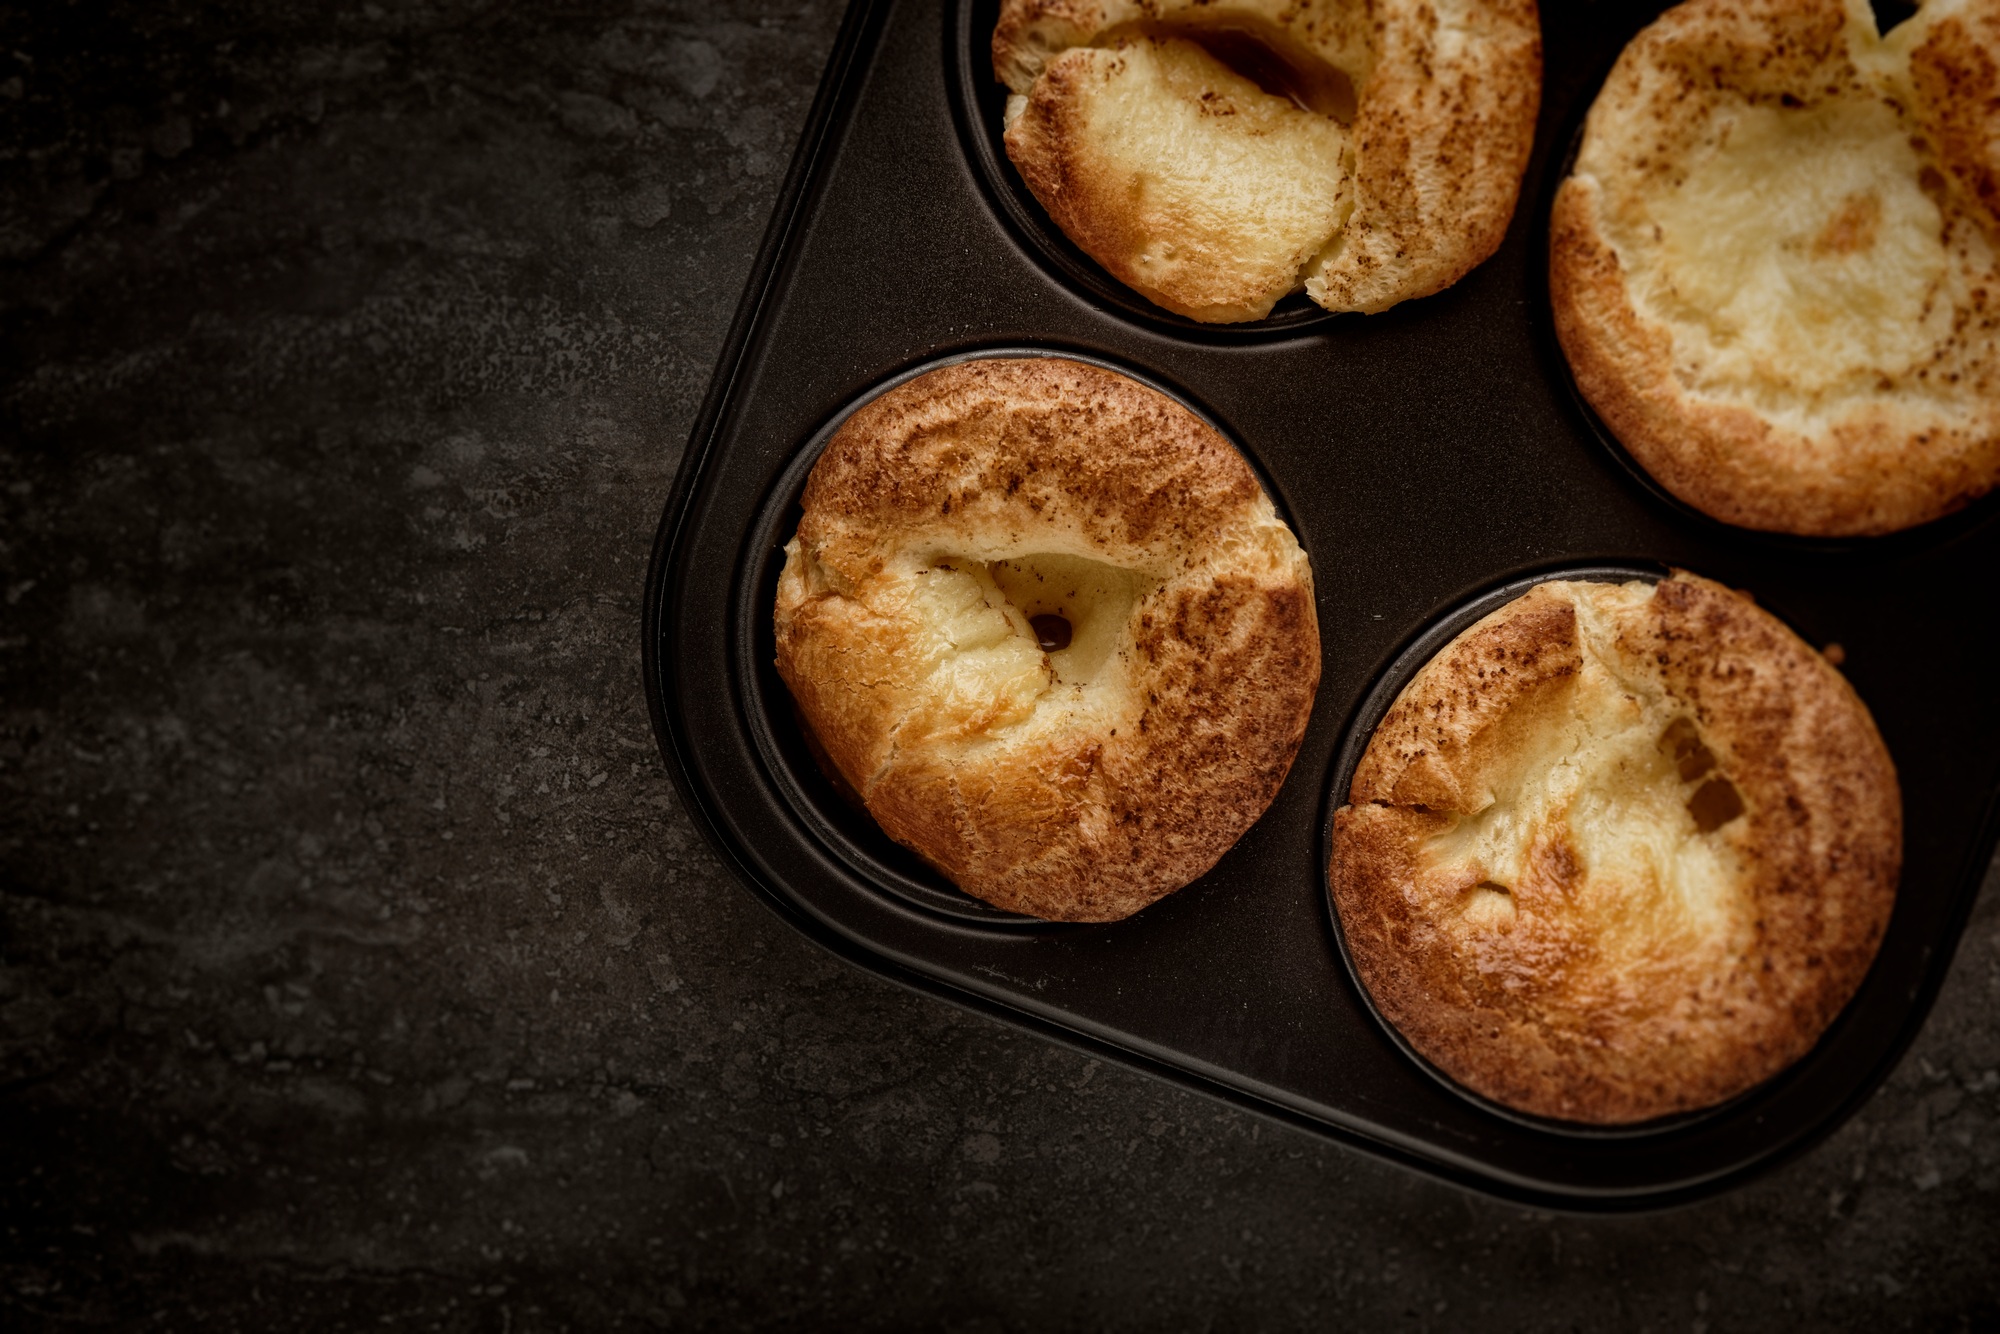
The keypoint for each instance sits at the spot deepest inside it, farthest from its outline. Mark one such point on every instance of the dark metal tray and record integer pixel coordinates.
(1426, 457)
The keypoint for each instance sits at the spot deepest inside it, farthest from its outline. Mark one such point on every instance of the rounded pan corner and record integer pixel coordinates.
(1404, 1116)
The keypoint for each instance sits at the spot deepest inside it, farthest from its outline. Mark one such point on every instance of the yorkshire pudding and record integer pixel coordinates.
(1773, 268)
(1618, 851)
(1046, 622)
(1216, 157)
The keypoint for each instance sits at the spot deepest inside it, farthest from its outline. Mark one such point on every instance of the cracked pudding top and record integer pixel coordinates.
(1618, 851)
(1046, 623)
(1216, 157)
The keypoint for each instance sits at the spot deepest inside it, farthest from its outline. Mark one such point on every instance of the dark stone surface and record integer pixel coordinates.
(360, 968)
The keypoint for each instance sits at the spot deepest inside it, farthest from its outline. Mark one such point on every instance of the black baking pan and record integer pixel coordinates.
(1429, 458)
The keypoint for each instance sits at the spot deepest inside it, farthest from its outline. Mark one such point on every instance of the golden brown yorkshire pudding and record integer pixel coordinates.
(1618, 851)
(1217, 156)
(1045, 621)
(1773, 269)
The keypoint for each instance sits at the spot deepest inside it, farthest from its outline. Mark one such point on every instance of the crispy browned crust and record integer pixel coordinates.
(1912, 448)
(1955, 74)
(1440, 145)
(1030, 32)
(1441, 135)
(1537, 1015)
(1085, 818)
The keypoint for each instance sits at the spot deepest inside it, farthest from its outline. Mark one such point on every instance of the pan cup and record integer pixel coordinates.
(1558, 370)
(1375, 705)
(833, 812)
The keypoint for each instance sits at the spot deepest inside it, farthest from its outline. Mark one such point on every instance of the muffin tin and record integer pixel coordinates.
(1428, 459)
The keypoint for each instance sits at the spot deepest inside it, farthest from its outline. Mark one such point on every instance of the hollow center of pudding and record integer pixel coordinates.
(1607, 796)
(1077, 608)
(1258, 50)
(1715, 802)
(1052, 632)
(1890, 14)
(1801, 247)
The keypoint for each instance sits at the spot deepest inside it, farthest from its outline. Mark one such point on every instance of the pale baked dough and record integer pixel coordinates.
(1074, 785)
(1774, 266)
(1214, 198)
(1618, 851)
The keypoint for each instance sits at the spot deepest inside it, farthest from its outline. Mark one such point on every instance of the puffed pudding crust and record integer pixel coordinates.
(1619, 851)
(1774, 266)
(1218, 158)
(1048, 625)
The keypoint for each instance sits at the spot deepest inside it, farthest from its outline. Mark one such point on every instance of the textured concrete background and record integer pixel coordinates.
(360, 966)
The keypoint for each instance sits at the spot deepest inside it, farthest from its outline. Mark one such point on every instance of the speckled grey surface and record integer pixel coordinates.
(361, 968)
